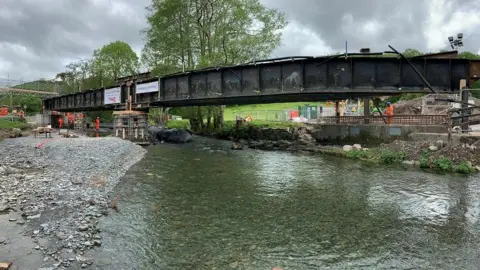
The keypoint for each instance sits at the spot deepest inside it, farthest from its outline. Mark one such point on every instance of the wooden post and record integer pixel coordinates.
(464, 98)
(449, 127)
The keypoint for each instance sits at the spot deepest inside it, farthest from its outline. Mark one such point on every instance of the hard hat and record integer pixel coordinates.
(388, 103)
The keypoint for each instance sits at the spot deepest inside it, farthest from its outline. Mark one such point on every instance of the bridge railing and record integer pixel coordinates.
(422, 120)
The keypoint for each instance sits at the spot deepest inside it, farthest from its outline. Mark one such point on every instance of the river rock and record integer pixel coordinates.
(357, 147)
(237, 146)
(440, 144)
(83, 227)
(347, 148)
(409, 162)
(4, 207)
(159, 134)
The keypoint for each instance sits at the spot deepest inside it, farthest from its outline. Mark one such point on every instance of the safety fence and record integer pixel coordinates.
(284, 115)
(423, 120)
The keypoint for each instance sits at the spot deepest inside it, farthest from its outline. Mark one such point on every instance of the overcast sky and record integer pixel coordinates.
(39, 37)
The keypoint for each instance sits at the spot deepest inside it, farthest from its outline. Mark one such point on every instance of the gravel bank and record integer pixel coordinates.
(55, 196)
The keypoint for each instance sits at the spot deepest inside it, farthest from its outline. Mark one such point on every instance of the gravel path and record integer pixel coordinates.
(55, 195)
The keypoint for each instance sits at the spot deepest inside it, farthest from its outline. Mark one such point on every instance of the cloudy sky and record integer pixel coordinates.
(39, 37)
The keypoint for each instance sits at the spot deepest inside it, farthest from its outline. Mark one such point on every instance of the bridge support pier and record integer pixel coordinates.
(366, 110)
(337, 111)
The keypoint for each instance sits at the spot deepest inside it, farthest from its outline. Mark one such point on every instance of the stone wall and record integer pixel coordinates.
(340, 133)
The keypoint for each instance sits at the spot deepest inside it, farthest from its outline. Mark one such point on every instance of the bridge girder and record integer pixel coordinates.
(305, 79)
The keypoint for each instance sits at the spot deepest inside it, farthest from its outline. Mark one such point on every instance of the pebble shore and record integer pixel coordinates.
(54, 196)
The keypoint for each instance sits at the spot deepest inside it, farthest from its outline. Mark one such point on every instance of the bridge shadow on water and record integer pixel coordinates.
(204, 206)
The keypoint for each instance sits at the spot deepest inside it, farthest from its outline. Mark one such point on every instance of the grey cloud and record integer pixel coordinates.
(403, 22)
(38, 37)
(56, 30)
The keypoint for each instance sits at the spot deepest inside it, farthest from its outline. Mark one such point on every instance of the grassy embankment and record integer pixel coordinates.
(427, 160)
(6, 125)
(258, 112)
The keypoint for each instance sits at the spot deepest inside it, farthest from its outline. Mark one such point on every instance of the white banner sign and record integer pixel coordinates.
(112, 95)
(147, 87)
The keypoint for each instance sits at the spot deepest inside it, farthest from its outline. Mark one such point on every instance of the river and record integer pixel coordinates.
(203, 206)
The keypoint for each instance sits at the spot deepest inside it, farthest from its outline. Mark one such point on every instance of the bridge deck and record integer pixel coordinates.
(269, 81)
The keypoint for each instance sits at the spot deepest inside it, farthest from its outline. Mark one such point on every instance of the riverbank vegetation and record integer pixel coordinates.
(438, 157)
(9, 129)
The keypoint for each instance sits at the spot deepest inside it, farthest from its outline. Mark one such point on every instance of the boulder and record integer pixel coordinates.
(440, 144)
(347, 148)
(237, 146)
(357, 146)
(159, 134)
(433, 148)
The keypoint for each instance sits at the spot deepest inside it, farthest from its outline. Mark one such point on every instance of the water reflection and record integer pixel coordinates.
(202, 206)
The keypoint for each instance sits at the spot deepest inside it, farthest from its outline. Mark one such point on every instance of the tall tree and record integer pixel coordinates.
(116, 59)
(113, 60)
(188, 34)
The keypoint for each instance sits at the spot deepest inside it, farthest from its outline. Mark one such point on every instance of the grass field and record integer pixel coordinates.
(4, 123)
(229, 124)
(262, 111)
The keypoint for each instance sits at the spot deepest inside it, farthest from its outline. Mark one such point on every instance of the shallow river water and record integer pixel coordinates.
(203, 206)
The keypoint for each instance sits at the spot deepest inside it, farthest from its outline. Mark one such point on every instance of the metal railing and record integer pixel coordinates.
(423, 120)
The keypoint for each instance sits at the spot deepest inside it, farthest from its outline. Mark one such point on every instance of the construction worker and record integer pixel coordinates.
(4, 110)
(60, 122)
(97, 123)
(389, 112)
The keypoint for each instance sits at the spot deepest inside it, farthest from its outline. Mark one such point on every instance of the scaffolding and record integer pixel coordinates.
(131, 125)
(79, 124)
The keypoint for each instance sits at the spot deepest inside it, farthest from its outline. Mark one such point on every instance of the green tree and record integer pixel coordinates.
(33, 103)
(411, 52)
(113, 60)
(116, 59)
(469, 55)
(189, 34)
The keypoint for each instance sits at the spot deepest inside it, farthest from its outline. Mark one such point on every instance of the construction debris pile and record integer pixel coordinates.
(408, 107)
(419, 106)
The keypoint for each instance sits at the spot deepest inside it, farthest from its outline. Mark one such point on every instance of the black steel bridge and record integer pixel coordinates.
(286, 79)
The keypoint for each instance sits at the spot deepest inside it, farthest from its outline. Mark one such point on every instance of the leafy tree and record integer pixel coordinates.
(113, 60)
(116, 59)
(469, 55)
(189, 34)
(33, 103)
(411, 52)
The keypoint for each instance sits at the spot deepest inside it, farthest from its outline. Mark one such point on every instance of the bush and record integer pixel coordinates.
(424, 160)
(357, 154)
(180, 124)
(389, 157)
(444, 164)
(464, 168)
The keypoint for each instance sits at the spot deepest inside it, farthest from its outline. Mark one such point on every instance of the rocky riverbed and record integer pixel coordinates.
(52, 197)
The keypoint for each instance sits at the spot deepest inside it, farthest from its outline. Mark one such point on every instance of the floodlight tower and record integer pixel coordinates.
(455, 43)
